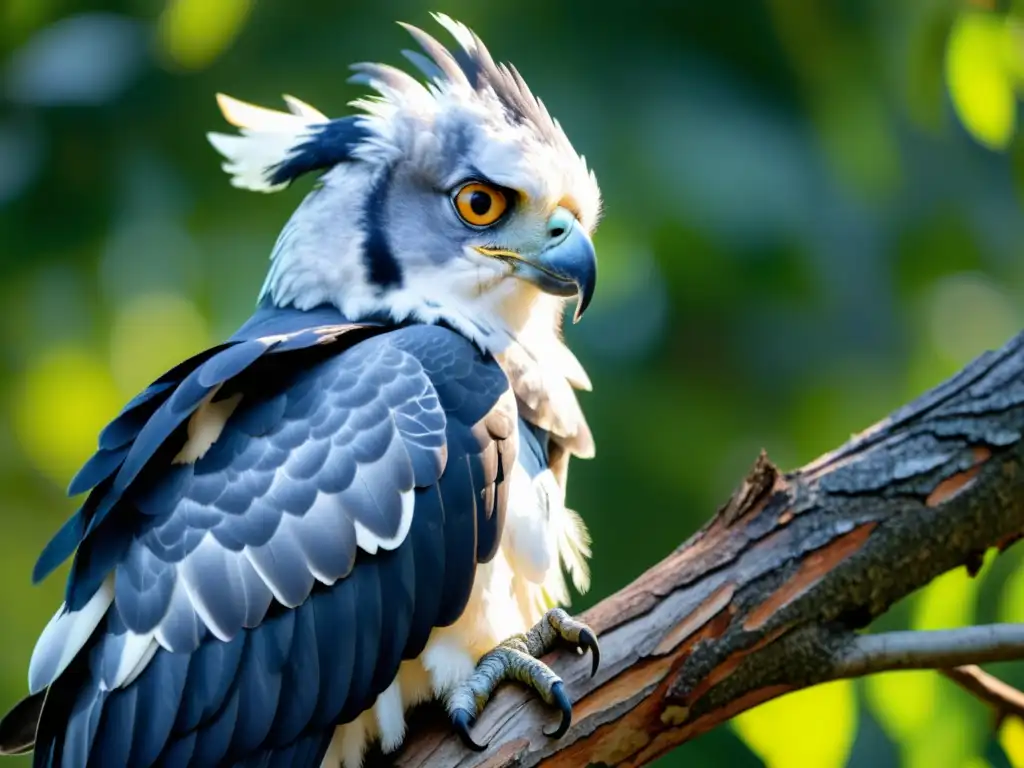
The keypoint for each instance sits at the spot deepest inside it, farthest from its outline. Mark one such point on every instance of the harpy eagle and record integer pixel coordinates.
(355, 503)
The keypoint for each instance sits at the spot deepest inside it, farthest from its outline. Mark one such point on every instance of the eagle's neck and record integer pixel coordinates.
(325, 255)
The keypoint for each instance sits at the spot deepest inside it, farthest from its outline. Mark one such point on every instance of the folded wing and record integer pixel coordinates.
(243, 594)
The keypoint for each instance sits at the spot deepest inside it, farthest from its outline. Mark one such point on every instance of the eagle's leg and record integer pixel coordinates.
(517, 658)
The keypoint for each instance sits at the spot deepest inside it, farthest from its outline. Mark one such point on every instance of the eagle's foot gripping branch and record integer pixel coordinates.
(517, 658)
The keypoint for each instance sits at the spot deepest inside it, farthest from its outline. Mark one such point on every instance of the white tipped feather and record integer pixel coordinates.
(65, 635)
(242, 114)
(369, 542)
(267, 138)
(302, 109)
(574, 549)
(143, 662)
(456, 29)
(138, 651)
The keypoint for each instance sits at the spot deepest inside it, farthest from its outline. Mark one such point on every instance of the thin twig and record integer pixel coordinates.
(1002, 697)
(935, 649)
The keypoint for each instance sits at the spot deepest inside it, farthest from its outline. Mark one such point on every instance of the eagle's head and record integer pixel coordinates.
(458, 200)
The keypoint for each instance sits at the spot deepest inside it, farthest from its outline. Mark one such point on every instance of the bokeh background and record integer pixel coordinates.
(813, 214)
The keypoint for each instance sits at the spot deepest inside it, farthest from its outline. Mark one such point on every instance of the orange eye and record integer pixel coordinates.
(479, 204)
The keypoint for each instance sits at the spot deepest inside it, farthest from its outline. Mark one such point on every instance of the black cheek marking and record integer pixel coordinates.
(380, 261)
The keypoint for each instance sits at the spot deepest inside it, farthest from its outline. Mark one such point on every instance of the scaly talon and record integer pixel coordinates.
(589, 643)
(573, 631)
(563, 703)
(462, 721)
(517, 659)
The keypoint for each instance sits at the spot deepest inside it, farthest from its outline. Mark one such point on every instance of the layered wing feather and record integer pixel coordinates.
(236, 608)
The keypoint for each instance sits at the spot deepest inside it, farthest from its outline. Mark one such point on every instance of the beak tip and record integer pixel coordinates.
(582, 302)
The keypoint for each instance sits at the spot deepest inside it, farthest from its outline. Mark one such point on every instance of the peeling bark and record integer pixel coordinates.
(767, 597)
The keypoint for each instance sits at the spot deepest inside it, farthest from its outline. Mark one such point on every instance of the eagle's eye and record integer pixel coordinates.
(479, 204)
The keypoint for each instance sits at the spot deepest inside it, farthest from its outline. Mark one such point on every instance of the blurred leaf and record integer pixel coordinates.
(192, 33)
(1011, 603)
(89, 58)
(832, 708)
(903, 701)
(979, 84)
(857, 136)
(934, 246)
(934, 725)
(18, 17)
(151, 334)
(65, 397)
(949, 601)
(1011, 739)
(966, 313)
(1012, 48)
(838, 401)
(961, 315)
(926, 45)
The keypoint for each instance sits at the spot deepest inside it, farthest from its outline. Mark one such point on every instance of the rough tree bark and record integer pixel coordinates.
(767, 598)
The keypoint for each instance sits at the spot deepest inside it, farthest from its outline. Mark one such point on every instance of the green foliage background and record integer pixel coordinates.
(813, 214)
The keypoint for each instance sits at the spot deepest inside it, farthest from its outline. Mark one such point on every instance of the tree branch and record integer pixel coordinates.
(937, 649)
(767, 597)
(1004, 699)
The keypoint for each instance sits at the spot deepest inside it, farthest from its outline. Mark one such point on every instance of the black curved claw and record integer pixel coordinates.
(589, 643)
(461, 721)
(563, 703)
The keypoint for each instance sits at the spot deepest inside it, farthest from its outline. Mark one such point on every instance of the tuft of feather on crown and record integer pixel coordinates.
(268, 137)
(275, 148)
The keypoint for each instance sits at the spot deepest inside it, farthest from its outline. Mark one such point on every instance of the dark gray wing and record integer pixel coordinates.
(270, 590)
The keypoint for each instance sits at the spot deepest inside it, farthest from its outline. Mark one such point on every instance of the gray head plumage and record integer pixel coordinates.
(395, 224)
(320, 143)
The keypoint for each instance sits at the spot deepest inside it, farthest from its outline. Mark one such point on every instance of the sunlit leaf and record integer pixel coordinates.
(903, 701)
(949, 601)
(979, 83)
(932, 723)
(1011, 738)
(1013, 47)
(832, 708)
(192, 33)
(1011, 603)
(65, 397)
